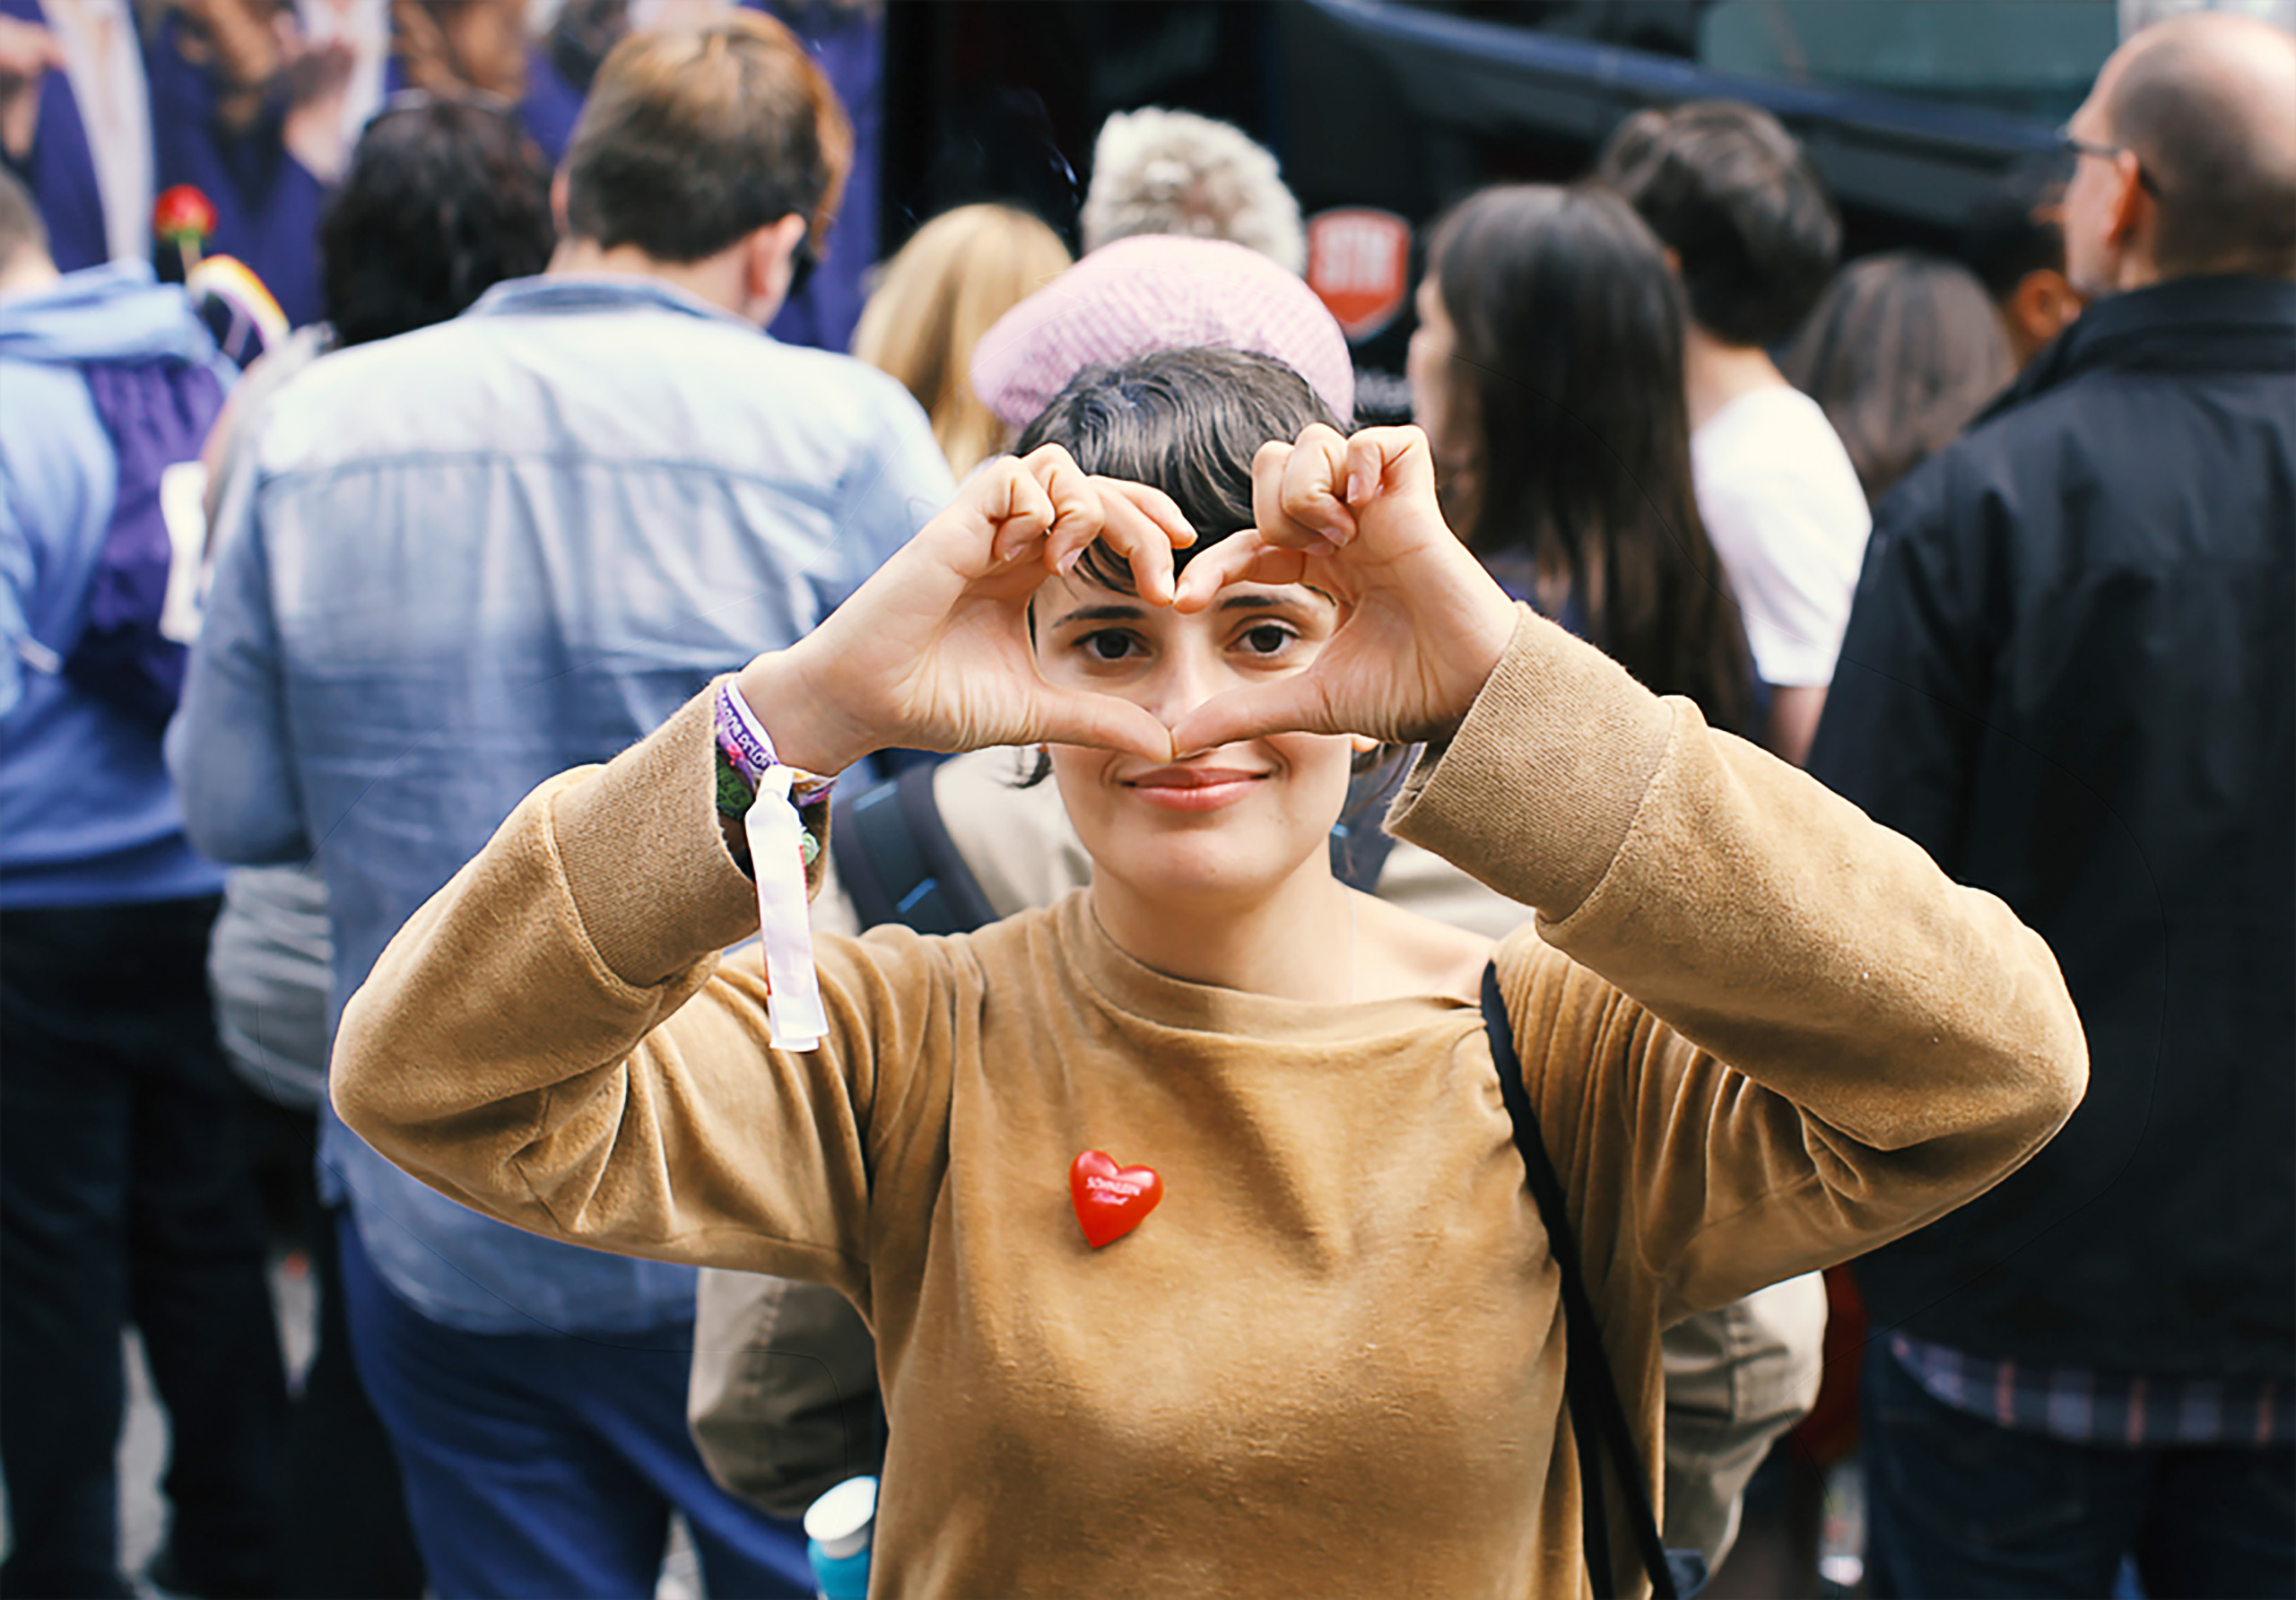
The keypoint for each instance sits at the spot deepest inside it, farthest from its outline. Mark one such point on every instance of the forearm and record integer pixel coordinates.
(1758, 914)
(606, 875)
(1536, 790)
(1794, 713)
(531, 1043)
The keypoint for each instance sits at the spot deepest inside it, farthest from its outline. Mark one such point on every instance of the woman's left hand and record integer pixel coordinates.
(1357, 519)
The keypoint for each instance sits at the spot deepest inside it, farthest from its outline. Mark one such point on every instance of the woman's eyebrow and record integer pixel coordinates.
(1100, 614)
(1282, 601)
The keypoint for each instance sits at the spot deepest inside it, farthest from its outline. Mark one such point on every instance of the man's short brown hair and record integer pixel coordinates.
(1727, 189)
(694, 138)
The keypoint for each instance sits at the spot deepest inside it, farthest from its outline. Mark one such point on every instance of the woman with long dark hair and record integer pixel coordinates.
(1547, 370)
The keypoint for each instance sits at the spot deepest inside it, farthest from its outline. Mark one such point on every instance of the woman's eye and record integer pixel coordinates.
(1107, 645)
(1268, 639)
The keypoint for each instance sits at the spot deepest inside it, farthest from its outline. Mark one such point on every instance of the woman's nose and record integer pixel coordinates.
(1188, 674)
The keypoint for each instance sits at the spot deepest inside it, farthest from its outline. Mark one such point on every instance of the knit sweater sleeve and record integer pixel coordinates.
(1762, 1032)
(556, 1039)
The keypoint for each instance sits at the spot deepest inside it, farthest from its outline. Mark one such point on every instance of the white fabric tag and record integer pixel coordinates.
(183, 509)
(777, 855)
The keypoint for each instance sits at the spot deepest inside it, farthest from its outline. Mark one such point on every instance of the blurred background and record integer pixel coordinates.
(1910, 110)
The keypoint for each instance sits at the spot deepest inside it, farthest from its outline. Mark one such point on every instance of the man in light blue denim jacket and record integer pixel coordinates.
(463, 560)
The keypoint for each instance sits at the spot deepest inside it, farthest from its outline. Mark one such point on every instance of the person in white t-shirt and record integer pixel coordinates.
(1754, 238)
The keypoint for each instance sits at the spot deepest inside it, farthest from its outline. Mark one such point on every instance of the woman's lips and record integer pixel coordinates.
(1194, 788)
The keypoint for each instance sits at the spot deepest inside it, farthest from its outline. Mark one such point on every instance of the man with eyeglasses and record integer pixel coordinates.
(458, 561)
(2070, 672)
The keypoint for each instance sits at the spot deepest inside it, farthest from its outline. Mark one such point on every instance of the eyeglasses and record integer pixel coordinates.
(2067, 139)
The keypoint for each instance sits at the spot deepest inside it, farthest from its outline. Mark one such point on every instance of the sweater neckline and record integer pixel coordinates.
(1130, 985)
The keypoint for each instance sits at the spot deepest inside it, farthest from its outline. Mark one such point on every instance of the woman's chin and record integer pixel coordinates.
(1196, 870)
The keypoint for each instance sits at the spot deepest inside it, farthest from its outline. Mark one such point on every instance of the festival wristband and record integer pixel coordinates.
(747, 748)
(781, 851)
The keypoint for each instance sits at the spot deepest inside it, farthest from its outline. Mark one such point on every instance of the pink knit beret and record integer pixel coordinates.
(1159, 292)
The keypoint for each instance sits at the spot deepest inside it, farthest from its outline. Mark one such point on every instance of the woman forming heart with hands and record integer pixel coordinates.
(1186, 1212)
(934, 651)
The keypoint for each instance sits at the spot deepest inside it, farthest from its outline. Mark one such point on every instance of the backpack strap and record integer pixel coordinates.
(898, 863)
(156, 413)
(1359, 846)
(1597, 1416)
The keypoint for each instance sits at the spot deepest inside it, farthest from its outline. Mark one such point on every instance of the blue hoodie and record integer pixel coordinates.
(87, 815)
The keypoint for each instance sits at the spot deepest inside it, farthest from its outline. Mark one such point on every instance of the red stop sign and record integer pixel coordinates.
(1359, 263)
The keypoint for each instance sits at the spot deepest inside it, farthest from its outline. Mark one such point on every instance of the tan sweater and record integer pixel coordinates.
(1331, 1363)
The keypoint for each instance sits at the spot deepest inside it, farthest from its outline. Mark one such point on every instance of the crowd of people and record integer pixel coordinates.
(659, 856)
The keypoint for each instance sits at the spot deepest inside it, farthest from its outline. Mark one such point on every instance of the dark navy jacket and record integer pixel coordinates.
(2070, 674)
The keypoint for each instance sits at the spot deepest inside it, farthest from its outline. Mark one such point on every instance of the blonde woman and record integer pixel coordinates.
(938, 294)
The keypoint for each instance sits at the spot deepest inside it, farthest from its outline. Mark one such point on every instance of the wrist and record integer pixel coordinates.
(808, 730)
(1477, 634)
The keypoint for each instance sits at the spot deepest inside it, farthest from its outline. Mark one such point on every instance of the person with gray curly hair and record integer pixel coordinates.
(1157, 171)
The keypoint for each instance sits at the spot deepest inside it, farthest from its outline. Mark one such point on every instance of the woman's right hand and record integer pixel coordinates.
(933, 652)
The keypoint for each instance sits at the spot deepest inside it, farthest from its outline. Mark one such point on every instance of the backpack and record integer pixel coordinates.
(143, 598)
(898, 863)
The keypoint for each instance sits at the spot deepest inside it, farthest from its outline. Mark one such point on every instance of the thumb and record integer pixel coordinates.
(1078, 717)
(1292, 705)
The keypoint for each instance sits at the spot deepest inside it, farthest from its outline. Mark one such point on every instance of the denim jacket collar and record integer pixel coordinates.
(574, 294)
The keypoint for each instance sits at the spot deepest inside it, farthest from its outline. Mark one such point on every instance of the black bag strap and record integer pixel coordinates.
(898, 863)
(1596, 1413)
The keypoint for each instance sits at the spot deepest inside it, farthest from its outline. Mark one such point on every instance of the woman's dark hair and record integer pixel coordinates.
(1903, 351)
(445, 199)
(1567, 350)
(1186, 422)
(1726, 187)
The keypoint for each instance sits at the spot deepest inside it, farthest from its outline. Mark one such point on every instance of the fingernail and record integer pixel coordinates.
(1359, 487)
(1067, 563)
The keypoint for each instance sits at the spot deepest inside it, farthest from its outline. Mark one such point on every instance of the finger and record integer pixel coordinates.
(1294, 499)
(1103, 721)
(1160, 507)
(1078, 514)
(1129, 530)
(1289, 705)
(1387, 461)
(1244, 557)
(1017, 508)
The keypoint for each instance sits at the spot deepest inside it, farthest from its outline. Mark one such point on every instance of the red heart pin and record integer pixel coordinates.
(1110, 1200)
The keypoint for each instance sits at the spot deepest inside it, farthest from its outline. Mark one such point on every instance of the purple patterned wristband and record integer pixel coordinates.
(749, 751)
